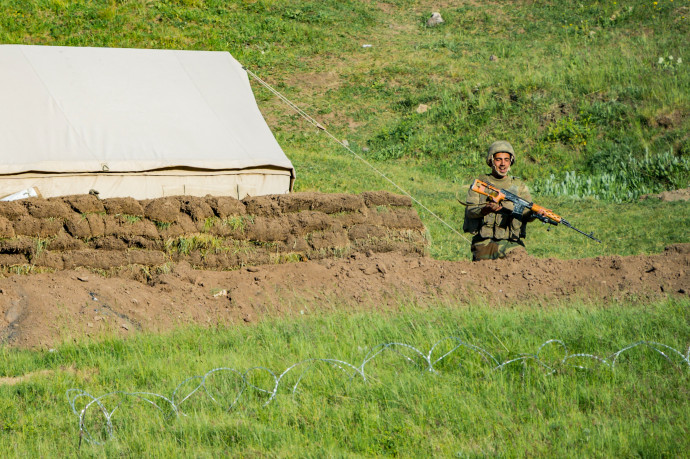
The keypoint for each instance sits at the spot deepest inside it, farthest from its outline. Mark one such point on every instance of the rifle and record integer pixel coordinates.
(519, 206)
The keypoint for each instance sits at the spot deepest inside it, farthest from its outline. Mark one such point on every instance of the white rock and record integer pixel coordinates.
(434, 20)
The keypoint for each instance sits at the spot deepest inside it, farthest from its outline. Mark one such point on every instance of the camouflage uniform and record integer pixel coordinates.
(495, 234)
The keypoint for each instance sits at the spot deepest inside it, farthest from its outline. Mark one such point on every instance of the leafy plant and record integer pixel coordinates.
(669, 63)
(205, 243)
(40, 245)
(162, 226)
(625, 179)
(238, 222)
(235, 222)
(209, 223)
(24, 269)
(607, 113)
(570, 130)
(131, 219)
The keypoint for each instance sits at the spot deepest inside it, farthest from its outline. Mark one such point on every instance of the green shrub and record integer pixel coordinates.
(621, 179)
(607, 113)
(570, 130)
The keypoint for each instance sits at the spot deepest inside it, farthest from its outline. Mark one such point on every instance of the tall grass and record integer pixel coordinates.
(466, 408)
(621, 179)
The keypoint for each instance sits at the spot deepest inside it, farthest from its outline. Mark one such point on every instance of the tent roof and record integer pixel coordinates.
(70, 109)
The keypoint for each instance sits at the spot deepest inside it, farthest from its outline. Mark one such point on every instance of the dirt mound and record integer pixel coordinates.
(84, 266)
(42, 309)
(675, 195)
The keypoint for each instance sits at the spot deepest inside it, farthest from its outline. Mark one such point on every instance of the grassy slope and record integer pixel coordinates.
(640, 409)
(576, 88)
(569, 100)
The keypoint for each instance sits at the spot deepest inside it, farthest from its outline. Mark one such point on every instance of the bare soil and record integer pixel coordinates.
(668, 196)
(42, 310)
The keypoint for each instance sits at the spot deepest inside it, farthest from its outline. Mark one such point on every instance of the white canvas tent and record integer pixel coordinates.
(133, 122)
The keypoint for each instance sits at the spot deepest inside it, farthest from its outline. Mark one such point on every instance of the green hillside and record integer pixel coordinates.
(594, 96)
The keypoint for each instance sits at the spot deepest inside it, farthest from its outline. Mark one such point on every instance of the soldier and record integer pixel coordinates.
(496, 232)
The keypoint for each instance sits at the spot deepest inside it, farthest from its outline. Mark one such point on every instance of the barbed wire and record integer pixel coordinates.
(172, 406)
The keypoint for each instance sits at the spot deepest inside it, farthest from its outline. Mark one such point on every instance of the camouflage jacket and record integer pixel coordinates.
(500, 225)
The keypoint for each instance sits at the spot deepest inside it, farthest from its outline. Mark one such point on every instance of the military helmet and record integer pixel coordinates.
(499, 146)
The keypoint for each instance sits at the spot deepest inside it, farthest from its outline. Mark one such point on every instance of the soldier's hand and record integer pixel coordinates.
(491, 207)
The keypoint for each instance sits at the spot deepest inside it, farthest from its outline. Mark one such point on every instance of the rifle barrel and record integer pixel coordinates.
(581, 232)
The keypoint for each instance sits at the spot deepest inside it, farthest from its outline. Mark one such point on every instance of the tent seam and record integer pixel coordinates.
(57, 104)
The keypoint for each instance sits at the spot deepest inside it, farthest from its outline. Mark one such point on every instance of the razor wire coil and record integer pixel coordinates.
(172, 406)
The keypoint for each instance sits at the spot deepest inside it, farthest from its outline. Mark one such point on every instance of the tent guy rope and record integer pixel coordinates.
(319, 126)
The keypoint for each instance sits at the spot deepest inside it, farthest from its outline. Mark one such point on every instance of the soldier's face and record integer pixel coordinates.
(501, 164)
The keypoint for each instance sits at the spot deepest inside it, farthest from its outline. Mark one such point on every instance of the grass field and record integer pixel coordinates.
(465, 408)
(595, 97)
